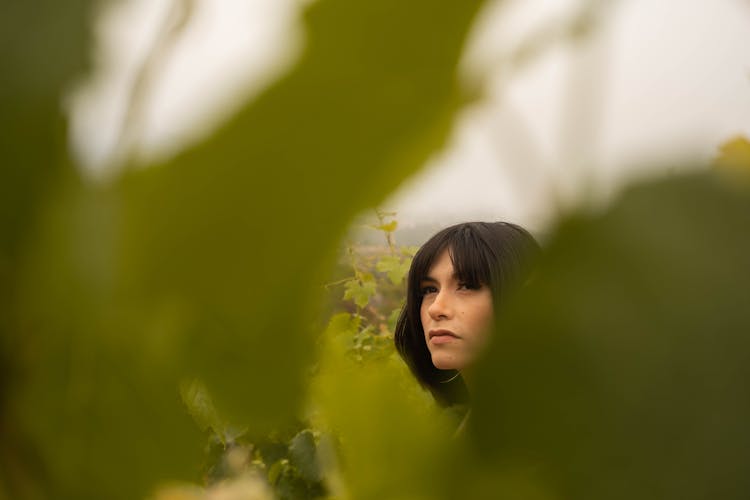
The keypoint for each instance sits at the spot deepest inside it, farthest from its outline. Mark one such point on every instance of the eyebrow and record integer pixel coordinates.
(454, 276)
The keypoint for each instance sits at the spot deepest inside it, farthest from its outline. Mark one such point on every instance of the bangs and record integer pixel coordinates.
(469, 261)
(470, 256)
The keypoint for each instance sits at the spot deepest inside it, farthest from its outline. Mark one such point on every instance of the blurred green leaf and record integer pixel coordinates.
(359, 291)
(389, 227)
(342, 325)
(394, 267)
(43, 46)
(201, 408)
(393, 319)
(372, 95)
(204, 267)
(393, 442)
(621, 371)
(409, 250)
(302, 453)
(735, 153)
(734, 159)
(275, 472)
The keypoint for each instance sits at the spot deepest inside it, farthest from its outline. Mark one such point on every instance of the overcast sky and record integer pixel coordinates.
(659, 84)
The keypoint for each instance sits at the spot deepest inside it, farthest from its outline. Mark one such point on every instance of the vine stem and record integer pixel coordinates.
(338, 282)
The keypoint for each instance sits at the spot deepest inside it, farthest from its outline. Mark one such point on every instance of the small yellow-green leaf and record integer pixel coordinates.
(359, 292)
(388, 227)
(409, 250)
(394, 267)
(734, 159)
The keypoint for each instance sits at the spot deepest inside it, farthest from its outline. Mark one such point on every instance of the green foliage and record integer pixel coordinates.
(300, 461)
(395, 267)
(199, 268)
(392, 440)
(733, 160)
(291, 465)
(360, 290)
(302, 452)
(621, 371)
(630, 385)
(389, 227)
(735, 153)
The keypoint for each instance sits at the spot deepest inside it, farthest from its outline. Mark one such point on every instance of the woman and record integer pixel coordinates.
(456, 283)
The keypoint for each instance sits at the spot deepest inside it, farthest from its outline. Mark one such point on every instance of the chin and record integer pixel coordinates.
(443, 363)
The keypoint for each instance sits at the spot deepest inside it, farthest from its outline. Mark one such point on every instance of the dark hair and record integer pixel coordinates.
(496, 254)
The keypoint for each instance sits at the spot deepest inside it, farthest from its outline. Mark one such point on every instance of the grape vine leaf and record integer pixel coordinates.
(633, 383)
(303, 455)
(113, 294)
(360, 291)
(394, 267)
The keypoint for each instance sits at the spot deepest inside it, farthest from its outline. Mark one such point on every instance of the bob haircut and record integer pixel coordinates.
(496, 254)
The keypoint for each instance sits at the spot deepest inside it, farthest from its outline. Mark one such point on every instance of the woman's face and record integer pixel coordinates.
(456, 318)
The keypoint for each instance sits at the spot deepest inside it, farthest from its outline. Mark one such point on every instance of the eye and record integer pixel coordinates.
(428, 289)
(469, 286)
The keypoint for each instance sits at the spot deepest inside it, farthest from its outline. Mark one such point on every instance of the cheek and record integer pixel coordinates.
(489, 316)
(483, 317)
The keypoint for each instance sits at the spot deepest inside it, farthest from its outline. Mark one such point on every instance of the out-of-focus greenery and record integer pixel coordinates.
(335, 447)
(206, 267)
(619, 372)
(733, 160)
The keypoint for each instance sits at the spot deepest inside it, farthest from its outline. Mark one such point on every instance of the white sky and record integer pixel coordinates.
(661, 82)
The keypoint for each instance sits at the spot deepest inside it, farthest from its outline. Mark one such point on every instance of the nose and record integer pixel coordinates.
(441, 307)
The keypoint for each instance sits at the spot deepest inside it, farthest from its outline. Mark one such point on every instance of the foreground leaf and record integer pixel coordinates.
(621, 372)
(207, 266)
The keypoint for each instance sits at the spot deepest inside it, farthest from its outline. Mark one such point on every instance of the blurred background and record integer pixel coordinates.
(186, 313)
(569, 100)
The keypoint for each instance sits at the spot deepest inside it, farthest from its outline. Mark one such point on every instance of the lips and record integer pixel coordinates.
(441, 333)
